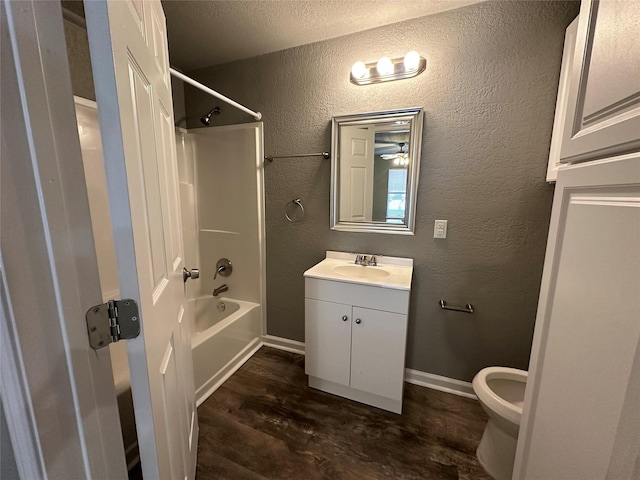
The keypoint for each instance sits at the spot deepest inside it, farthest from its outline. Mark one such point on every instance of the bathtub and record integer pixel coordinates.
(225, 333)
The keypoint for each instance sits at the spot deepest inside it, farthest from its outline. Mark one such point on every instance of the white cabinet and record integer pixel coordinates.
(580, 416)
(377, 351)
(328, 340)
(352, 350)
(603, 110)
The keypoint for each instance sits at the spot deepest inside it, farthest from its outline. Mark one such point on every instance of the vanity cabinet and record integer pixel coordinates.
(355, 337)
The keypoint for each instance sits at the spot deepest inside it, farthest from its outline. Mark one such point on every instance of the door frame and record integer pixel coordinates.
(51, 180)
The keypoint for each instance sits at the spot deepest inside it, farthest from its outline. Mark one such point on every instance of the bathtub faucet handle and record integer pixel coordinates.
(223, 267)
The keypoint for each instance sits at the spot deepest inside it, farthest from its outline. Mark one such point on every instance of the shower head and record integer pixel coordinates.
(206, 120)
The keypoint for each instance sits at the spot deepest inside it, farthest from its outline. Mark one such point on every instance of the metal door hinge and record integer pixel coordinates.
(112, 321)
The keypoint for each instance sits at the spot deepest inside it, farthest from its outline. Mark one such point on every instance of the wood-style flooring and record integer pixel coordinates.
(266, 423)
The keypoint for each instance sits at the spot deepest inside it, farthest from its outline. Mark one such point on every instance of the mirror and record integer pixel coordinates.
(375, 160)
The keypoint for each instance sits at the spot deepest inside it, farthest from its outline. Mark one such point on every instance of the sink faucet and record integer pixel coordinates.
(220, 289)
(365, 260)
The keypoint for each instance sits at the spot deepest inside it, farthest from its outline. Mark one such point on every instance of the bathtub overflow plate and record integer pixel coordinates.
(221, 306)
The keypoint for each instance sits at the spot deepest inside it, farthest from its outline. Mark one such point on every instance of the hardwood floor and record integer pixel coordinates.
(266, 423)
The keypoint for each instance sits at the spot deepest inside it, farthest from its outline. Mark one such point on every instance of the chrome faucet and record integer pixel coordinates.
(365, 260)
(220, 289)
(220, 269)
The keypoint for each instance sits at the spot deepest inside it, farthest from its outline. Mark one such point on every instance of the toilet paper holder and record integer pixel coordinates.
(468, 308)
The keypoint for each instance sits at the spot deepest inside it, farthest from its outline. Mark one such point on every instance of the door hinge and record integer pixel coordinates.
(112, 321)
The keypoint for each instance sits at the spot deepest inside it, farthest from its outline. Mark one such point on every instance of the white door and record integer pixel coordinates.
(328, 340)
(582, 408)
(57, 393)
(603, 109)
(377, 351)
(131, 71)
(356, 173)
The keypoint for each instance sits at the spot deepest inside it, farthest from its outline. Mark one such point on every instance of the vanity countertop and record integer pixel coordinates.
(390, 272)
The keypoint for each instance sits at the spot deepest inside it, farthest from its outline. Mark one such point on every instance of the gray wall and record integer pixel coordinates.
(489, 96)
(78, 53)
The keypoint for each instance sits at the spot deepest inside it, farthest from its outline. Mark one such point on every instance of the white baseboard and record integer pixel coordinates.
(282, 343)
(229, 369)
(437, 382)
(416, 377)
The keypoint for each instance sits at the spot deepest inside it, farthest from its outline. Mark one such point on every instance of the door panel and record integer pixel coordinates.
(377, 351)
(129, 57)
(603, 112)
(327, 340)
(356, 176)
(581, 407)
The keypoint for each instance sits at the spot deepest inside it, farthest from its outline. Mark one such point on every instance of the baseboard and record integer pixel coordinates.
(437, 382)
(229, 369)
(416, 377)
(282, 343)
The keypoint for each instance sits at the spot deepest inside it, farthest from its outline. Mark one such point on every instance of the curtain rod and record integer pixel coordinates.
(204, 88)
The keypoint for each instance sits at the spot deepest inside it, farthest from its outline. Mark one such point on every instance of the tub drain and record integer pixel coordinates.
(221, 306)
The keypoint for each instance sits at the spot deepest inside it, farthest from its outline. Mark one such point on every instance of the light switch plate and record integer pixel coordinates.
(440, 229)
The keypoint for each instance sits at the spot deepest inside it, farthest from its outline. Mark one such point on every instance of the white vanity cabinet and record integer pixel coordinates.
(355, 339)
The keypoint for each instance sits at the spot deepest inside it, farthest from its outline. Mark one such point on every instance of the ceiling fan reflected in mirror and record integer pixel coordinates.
(400, 158)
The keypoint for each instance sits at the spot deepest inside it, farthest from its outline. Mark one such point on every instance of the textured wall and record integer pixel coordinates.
(489, 97)
(79, 60)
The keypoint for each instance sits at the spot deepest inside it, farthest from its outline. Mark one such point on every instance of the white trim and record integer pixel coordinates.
(415, 377)
(16, 400)
(56, 229)
(229, 369)
(282, 343)
(440, 383)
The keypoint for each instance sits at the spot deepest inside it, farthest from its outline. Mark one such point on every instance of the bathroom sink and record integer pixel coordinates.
(390, 272)
(359, 271)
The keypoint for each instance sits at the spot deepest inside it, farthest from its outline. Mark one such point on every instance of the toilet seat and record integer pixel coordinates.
(482, 388)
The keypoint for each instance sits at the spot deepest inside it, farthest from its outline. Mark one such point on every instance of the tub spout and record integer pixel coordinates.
(220, 289)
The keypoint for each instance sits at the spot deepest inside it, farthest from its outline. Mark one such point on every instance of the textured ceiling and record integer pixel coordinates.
(205, 33)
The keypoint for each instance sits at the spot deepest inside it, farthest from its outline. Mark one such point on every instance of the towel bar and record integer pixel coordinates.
(468, 308)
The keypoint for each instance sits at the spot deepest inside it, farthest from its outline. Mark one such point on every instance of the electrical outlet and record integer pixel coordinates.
(440, 229)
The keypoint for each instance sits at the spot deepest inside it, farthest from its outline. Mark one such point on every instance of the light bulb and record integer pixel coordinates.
(411, 60)
(359, 70)
(385, 66)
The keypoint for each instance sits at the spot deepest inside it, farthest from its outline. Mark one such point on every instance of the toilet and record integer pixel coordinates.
(501, 394)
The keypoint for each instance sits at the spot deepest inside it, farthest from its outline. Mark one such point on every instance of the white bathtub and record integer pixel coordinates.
(221, 341)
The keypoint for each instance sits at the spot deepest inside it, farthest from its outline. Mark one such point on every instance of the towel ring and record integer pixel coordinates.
(294, 211)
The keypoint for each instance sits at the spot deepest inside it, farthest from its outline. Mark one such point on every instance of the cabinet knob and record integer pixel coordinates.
(358, 321)
(345, 318)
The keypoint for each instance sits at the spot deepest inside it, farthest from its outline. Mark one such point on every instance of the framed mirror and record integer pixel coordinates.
(375, 161)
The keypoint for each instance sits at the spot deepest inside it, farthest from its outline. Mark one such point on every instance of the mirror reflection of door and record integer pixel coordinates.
(356, 173)
(391, 162)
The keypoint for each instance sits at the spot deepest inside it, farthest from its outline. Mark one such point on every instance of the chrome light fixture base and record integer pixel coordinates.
(400, 71)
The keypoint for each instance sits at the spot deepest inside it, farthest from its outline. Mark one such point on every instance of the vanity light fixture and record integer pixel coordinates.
(387, 69)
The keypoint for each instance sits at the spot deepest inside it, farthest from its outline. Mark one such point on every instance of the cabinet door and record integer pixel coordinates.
(603, 113)
(377, 351)
(328, 340)
(582, 403)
